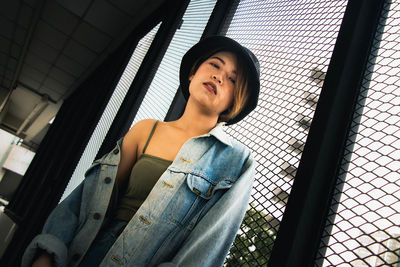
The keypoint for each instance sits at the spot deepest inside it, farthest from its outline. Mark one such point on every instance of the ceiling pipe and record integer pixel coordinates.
(4, 103)
(24, 50)
(37, 110)
(21, 59)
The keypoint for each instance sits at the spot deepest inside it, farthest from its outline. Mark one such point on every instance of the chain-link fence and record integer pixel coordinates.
(293, 41)
(363, 225)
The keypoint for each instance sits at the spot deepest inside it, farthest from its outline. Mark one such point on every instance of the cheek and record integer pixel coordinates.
(230, 96)
(229, 99)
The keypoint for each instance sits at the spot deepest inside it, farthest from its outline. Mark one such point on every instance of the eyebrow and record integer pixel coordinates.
(223, 62)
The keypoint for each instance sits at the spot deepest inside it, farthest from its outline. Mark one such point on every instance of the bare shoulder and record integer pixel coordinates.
(139, 131)
(141, 127)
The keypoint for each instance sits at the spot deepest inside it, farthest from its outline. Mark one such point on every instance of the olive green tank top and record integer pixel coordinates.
(144, 175)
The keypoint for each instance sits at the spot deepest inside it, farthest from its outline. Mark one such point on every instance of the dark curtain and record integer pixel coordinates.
(48, 174)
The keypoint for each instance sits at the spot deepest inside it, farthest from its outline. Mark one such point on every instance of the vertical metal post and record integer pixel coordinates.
(304, 219)
(353, 131)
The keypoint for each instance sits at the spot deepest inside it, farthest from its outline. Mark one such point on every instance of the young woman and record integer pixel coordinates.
(181, 188)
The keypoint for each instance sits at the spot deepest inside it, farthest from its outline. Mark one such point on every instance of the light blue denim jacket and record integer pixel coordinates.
(190, 217)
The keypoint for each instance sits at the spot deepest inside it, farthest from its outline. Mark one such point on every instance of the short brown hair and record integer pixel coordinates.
(240, 92)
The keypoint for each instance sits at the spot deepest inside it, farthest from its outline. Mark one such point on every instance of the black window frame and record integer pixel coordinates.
(301, 228)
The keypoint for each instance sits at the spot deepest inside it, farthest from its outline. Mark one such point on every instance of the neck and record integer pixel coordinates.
(195, 122)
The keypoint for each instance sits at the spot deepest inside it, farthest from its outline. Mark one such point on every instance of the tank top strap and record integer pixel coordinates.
(150, 136)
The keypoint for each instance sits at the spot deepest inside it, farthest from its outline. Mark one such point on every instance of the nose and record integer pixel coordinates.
(217, 79)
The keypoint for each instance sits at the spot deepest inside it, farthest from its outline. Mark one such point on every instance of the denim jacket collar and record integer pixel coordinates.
(219, 133)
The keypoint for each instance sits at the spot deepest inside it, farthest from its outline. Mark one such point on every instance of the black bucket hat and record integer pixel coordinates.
(211, 45)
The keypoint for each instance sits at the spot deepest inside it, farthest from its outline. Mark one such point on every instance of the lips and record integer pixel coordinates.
(211, 87)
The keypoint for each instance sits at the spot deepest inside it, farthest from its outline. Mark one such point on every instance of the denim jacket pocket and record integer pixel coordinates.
(205, 187)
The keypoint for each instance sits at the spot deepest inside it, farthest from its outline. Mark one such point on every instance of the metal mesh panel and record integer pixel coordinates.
(293, 41)
(110, 111)
(363, 225)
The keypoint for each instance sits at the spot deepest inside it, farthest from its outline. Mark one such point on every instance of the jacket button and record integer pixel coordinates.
(144, 220)
(96, 216)
(76, 257)
(115, 151)
(107, 180)
(117, 260)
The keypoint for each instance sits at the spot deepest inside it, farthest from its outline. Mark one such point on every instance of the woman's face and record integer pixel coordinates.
(212, 85)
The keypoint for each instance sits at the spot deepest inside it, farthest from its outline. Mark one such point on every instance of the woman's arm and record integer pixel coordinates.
(44, 260)
(60, 227)
(58, 230)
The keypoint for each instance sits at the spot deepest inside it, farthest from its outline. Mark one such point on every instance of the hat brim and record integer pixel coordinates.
(215, 44)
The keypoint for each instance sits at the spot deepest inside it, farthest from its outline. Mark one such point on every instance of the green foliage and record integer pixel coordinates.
(253, 244)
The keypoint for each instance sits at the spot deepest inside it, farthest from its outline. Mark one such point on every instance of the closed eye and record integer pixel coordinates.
(232, 80)
(215, 65)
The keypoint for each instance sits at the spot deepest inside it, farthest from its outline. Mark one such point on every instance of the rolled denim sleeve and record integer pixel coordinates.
(209, 242)
(58, 231)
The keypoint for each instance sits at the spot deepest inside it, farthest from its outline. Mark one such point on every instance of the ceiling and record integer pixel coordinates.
(47, 48)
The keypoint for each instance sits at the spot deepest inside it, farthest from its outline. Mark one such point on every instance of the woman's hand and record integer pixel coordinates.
(44, 260)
